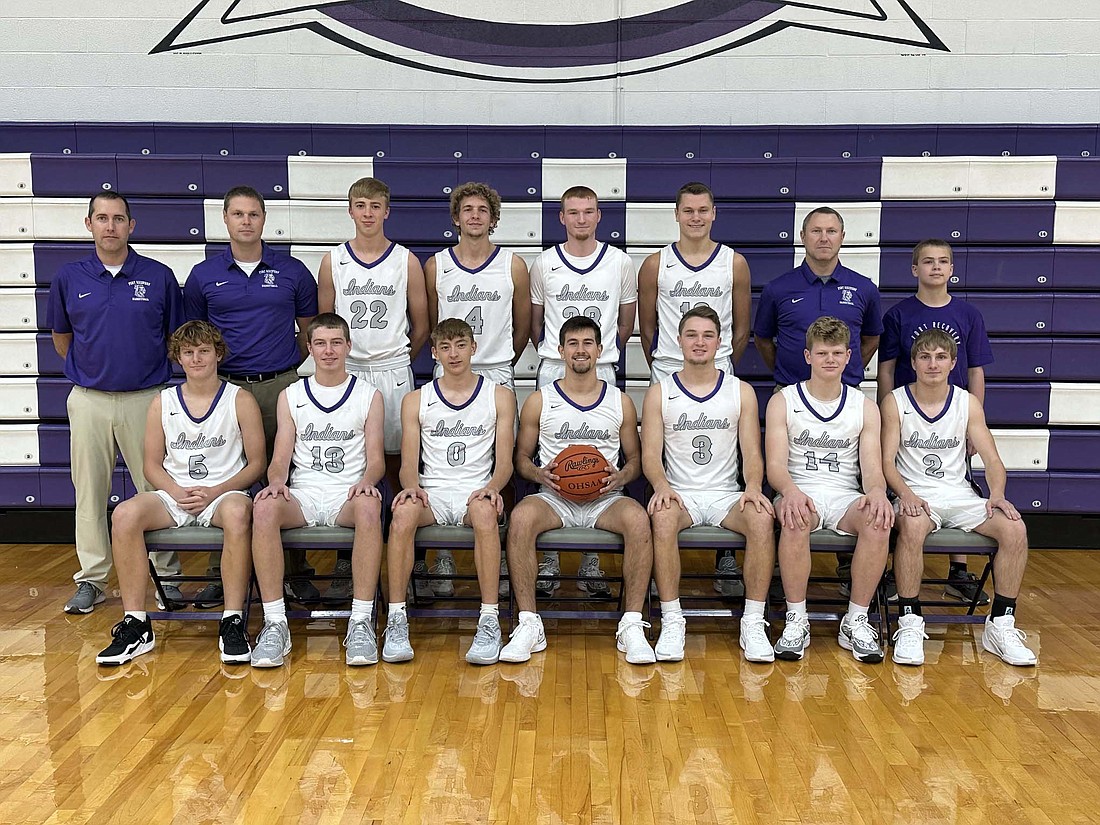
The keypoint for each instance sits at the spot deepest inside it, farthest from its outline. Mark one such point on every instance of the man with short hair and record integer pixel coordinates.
(456, 460)
(578, 409)
(925, 428)
(204, 447)
(330, 431)
(822, 442)
(111, 314)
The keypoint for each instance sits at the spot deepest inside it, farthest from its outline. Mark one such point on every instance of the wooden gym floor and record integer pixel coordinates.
(575, 736)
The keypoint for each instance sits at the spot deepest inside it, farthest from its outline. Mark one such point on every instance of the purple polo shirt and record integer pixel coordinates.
(790, 303)
(120, 323)
(907, 319)
(256, 312)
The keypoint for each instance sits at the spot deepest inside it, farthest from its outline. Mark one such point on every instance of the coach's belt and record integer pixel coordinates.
(257, 377)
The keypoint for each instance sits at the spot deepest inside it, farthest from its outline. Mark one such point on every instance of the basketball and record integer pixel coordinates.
(581, 469)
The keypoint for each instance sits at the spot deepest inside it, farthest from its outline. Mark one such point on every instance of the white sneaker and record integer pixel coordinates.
(591, 581)
(546, 587)
(1001, 638)
(857, 635)
(527, 637)
(670, 644)
(754, 640)
(444, 566)
(630, 639)
(795, 639)
(909, 640)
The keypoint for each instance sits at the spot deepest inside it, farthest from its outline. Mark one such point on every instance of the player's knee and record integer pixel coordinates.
(1016, 533)
(912, 529)
(125, 518)
(367, 510)
(236, 514)
(666, 524)
(759, 526)
(483, 514)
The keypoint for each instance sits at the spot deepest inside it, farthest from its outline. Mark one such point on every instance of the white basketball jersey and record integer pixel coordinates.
(374, 300)
(701, 452)
(681, 286)
(330, 445)
(823, 439)
(563, 423)
(201, 452)
(594, 286)
(482, 298)
(932, 455)
(457, 443)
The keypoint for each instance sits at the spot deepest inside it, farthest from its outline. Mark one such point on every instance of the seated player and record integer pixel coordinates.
(456, 457)
(694, 422)
(330, 430)
(578, 409)
(204, 447)
(822, 438)
(925, 426)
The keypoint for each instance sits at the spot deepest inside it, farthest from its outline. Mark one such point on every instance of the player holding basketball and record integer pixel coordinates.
(330, 430)
(822, 439)
(694, 424)
(204, 447)
(578, 409)
(456, 458)
(925, 426)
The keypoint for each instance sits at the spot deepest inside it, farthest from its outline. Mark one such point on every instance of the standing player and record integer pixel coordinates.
(330, 430)
(456, 459)
(578, 409)
(204, 447)
(925, 428)
(586, 277)
(694, 425)
(111, 314)
(822, 439)
(934, 308)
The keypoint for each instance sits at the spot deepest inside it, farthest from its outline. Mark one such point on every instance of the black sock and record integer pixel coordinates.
(907, 607)
(1002, 606)
(957, 571)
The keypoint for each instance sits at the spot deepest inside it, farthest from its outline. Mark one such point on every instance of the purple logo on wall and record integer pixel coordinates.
(548, 42)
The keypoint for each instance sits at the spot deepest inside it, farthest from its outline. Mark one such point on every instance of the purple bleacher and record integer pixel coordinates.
(717, 142)
(1007, 314)
(47, 138)
(422, 223)
(53, 393)
(818, 141)
(41, 302)
(193, 138)
(1076, 314)
(267, 175)
(49, 362)
(277, 139)
(651, 180)
(427, 142)
(73, 176)
(889, 298)
(57, 487)
(1017, 405)
(344, 141)
(418, 179)
(1064, 141)
(661, 142)
(1029, 492)
(1021, 359)
(896, 141)
(181, 220)
(767, 264)
(1018, 222)
(1074, 451)
(50, 257)
(908, 222)
(895, 269)
(755, 223)
(753, 179)
(612, 223)
(975, 140)
(160, 175)
(115, 138)
(18, 484)
(1007, 268)
(1077, 179)
(752, 366)
(1074, 492)
(1075, 360)
(423, 365)
(54, 446)
(515, 142)
(1076, 267)
(584, 142)
(515, 180)
(820, 179)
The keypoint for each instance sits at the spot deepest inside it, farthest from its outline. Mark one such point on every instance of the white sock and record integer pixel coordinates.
(856, 610)
(489, 610)
(590, 558)
(756, 609)
(140, 615)
(629, 617)
(798, 608)
(671, 608)
(395, 608)
(361, 610)
(275, 612)
(527, 616)
(227, 613)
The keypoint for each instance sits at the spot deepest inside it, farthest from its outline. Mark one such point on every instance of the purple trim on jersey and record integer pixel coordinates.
(701, 267)
(817, 415)
(213, 404)
(464, 404)
(338, 404)
(365, 265)
(489, 260)
(958, 318)
(595, 263)
(696, 398)
(574, 404)
(941, 413)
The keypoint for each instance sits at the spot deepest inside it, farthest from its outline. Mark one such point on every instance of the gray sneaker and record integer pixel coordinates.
(444, 566)
(397, 647)
(546, 587)
(339, 590)
(485, 649)
(504, 589)
(272, 645)
(85, 599)
(422, 588)
(795, 639)
(210, 596)
(857, 635)
(174, 596)
(729, 588)
(592, 582)
(361, 643)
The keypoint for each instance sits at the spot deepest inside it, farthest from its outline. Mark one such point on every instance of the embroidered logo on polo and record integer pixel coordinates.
(531, 43)
(269, 277)
(140, 288)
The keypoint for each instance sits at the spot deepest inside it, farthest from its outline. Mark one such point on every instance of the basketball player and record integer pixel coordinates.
(822, 438)
(456, 459)
(925, 427)
(578, 409)
(583, 276)
(694, 424)
(330, 430)
(204, 447)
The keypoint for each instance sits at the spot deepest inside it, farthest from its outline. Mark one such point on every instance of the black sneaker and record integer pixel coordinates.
(133, 637)
(301, 591)
(233, 641)
(964, 588)
(210, 596)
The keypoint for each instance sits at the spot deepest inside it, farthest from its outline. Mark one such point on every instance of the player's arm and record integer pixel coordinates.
(975, 379)
(527, 443)
(875, 503)
(505, 401)
(752, 460)
(742, 306)
(538, 310)
(326, 288)
(872, 327)
(624, 326)
(409, 475)
(795, 508)
(910, 503)
(995, 474)
(432, 292)
(764, 331)
(373, 429)
(868, 346)
(647, 303)
(417, 301)
(885, 379)
(890, 350)
(154, 450)
(653, 446)
(522, 315)
(631, 448)
(278, 471)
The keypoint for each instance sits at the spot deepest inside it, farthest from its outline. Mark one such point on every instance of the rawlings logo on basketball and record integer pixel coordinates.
(587, 464)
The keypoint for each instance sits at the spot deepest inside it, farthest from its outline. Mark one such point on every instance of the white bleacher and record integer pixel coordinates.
(604, 176)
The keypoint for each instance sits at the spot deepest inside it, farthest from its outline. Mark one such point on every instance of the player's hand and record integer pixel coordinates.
(758, 500)
(490, 495)
(971, 450)
(1004, 505)
(274, 490)
(795, 511)
(913, 505)
(614, 480)
(362, 488)
(545, 476)
(665, 500)
(415, 494)
(877, 508)
(195, 499)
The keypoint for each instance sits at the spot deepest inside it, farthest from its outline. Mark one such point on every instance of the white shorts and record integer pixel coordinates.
(831, 507)
(494, 375)
(320, 505)
(185, 519)
(660, 369)
(709, 509)
(393, 383)
(961, 510)
(448, 505)
(551, 369)
(579, 515)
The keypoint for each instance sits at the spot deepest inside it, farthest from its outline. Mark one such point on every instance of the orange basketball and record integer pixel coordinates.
(581, 470)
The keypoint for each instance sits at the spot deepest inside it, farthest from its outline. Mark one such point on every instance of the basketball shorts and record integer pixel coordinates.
(708, 509)
(579, 515)
(960, 509)
(393, 383)
(551, 369)
(184, 519)
(320, 505)
(831, 505)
